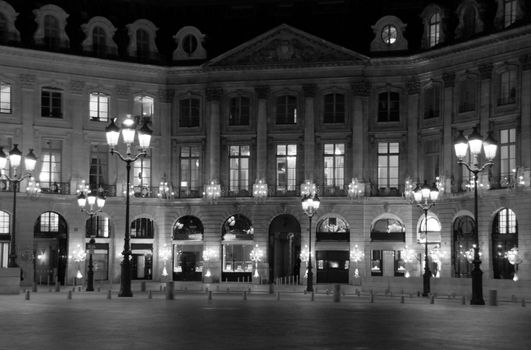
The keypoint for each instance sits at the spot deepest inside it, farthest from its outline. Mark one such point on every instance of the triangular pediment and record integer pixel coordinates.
(286, 46)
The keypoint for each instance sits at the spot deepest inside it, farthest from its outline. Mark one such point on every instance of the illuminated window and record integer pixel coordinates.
(190, 171)
(99, 107)
(334, 166)
(143, 106)
(4, 223)
(239, 158)
(142, 228)
(388, 158)
(504, 238)
(5, 97)
(50, 175)
(99, 226)
(286, 168)
(49, 222)
(434, 29)
(389, 34)
(433, 228)
(507, 154)
(509, 12)
(142, 172)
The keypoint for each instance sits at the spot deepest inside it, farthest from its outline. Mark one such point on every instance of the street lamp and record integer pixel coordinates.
(489, 146)
(425, 198)
(128, 132)
(90, 204)
(15, 157)
(310, 204)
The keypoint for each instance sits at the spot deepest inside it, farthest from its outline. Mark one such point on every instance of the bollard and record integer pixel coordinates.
(69, 294)
(313, 296)
(432, 299)
(244, 295)
(149, 294)
(371, 299)
(493, 297)
(169, 291)
(337, 293)
(27, 295)
(109, 293)
(278, 296)
(209, 295)
(523, 302)
(402, 299)
(143, 286)
(328, 292)
(463, 300)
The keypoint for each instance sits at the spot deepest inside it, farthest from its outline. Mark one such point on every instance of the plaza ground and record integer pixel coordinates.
(281, 320)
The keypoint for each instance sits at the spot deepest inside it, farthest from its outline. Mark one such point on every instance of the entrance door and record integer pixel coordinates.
(332, 266)
(388, 263)
(284, 248)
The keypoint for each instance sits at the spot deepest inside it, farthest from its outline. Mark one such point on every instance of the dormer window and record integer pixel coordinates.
(389, 36)
(189, 42)
(433, 18)
(98, 41)
(142, 40)
(99, 32)
(142, 44)
(470, 21)
(435, 29)
(50, 33)
(509, 12)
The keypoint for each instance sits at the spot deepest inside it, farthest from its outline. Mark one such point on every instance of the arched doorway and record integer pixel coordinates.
(51, 248)
(237, 236)
(463, 246)
(188, 249)
(284, 248)
(504, 238)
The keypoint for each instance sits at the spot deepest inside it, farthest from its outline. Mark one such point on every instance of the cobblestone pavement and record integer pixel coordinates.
(192, 320)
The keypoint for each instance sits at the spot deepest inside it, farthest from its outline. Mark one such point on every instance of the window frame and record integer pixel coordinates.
(387, 167)
(51, 101)
(239, 186)
(187, 117)
(337, 113)
(99, 114)
(391, 112)
(6, 98)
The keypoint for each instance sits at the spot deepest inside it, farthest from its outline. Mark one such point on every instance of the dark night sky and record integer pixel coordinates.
(230, 23)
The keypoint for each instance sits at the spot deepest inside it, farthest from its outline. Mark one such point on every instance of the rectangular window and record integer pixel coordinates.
(143, 107)
(4, 223)
(50, 176)
(388, 155)
(236, 258)
(509, 11)
(239, 111)
(507, 88)
(432, 102)
(286, 110)
(142, 173)
(286, 168)
(4, 254)
(431, 151)
(49, 222)
(189, 171)
(389, 107)
(98, 226)
(99, 107)
(334, 166)
(189, 112)
(376, 263)
(5, 97)
(51, 103)
(467, 96)
(334, 108)
(507, 154)
(98, 169)
(239, 158)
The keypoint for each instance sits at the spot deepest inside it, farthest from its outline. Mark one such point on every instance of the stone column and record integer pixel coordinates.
(213, 96)
(361, 91)
(525, 119)
(78, 163)
(162, 130)
(485, 72)
(309, 131)
(413, 90)
(447, 113)
(262, 93)
(29, 111)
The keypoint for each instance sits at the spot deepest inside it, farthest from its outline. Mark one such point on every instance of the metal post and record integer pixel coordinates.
(427, 272)
(309, 281)
(90, 273)
(13, 253)
(477, 287)
(125, 280)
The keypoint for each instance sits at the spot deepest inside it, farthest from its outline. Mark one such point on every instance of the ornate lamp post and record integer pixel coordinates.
(144, 137)
(356, 255)
(90, 204)
(489, 146)
(425, 198)
(256, 256)
(514, 259)
(78, 255)
(15, 157)
(310, 204)
(209, 254)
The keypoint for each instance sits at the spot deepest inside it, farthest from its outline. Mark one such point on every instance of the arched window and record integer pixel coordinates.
(51, 245)
(98, 226)
(237, 234)
(469, 21)
(99, 41)
(433, 229)
(509, 12)
(188, 227)
(464, 240)
(142, 43)
(434, 29)
(237, 227)
(332, 229)
(142, 228)
(388, 229)
(4, 29)
(504, 238)
(51, 32)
